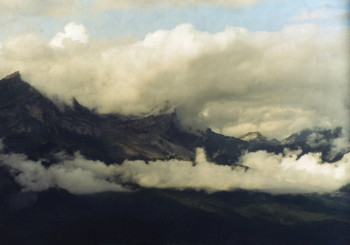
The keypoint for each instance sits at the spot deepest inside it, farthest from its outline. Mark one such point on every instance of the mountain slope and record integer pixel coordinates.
(34, 125)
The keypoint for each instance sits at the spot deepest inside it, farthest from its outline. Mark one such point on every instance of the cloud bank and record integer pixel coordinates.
(267, 172)
(78, 176)
(289, 173)
(233, 81)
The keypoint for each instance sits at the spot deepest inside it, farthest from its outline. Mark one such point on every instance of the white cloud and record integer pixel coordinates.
(267, 172)
(78, 176)
(274, 82)
(73, 32)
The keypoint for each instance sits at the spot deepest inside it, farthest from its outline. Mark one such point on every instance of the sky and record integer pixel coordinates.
(114, 19)
(274, 66)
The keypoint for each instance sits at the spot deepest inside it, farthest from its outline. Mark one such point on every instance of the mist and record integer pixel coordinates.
(290, 172)
(78, 176)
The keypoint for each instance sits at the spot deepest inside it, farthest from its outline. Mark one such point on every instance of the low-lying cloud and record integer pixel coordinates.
(267, 172)
(282, 173)
(78, 176)
(233, 81)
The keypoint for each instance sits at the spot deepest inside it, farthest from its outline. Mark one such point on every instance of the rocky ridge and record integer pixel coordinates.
(32, 124)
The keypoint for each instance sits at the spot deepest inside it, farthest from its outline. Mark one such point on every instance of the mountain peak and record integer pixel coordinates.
(13, 84)
(13, 75)
(253, 136)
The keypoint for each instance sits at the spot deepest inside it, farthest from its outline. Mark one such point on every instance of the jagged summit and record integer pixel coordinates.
(253, 136)
(31, 123)
(13, 75)
(13, 83)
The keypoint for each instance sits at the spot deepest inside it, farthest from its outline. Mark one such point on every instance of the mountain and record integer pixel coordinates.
(257, 139)
(253, 136)
(317, 140)
(32, 124)
(313, 137)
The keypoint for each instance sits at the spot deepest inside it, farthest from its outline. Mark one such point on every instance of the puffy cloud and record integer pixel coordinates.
(288, 173)
(233, 81)
(73, 32)
(1, 145)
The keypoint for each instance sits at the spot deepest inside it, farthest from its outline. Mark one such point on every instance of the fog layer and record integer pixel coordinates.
(288, 173)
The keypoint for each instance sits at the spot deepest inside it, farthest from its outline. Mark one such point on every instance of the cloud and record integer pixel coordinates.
(337, 145)
(73, 32)
(317, 139)
(78, 176)
(38, 7)
(267, 172)
(233, 81)
(289, 173)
